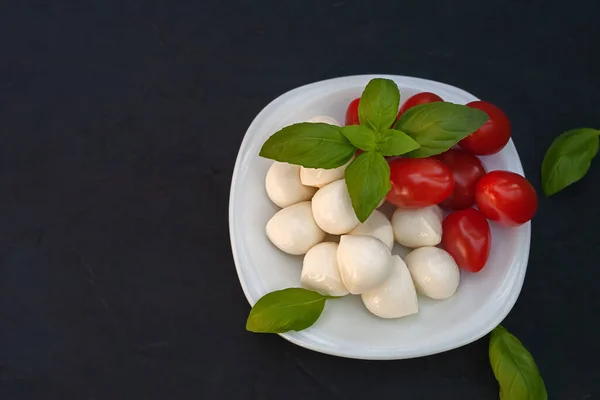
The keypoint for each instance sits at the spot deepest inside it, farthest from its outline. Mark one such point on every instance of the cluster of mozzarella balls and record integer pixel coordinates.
(316, 209)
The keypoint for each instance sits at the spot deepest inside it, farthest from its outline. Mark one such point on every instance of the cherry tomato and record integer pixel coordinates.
(467, 237)
(415, 100)
(466, 170)
(352, 113)
(506, 197)
(419, 182)
(492, 136)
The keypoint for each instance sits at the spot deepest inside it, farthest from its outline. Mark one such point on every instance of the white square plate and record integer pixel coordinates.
(346, 328)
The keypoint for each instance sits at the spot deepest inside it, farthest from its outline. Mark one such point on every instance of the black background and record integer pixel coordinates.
(120, 122)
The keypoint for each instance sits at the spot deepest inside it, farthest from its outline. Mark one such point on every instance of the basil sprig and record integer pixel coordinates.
(312, 145)
(568, 159)
(292, 309)
(439, 126)
(514, 368)
(368, 181)
(421, 131)
(378, 104)
(392, 142)
(361, 137)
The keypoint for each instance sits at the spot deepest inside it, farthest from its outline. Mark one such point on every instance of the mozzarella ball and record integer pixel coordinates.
(434, 272)
(294, 230)
(418, 227)
(320, 270)
(325, 119)
(332, 209)
(364, 262)
(284, 187)
(378, 226)
(319, 177)
(396, 297)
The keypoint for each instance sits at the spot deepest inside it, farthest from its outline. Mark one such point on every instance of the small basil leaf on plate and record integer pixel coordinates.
(439, 126)
(378, 105)
(360, 136)
(292, 309)
(514, 368)
(395, 143)
(368, 181)
(312, 145)
(568, 159)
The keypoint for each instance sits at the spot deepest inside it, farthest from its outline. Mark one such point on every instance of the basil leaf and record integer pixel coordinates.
(568, 159)
(360, 136)
(439, 126)
(312, 145)
(395, 143)
(292, 309)
(514, 368)
(378, 104)
(368, 181)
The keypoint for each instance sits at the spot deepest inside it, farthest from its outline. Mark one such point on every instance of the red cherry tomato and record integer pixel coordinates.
(506, 197)
(419, 98)
(467, 237)
(419, 182)
(466, 170)
(352, 113)
(492, 136)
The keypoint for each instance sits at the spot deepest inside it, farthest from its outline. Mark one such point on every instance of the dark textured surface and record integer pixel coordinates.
(119, 126)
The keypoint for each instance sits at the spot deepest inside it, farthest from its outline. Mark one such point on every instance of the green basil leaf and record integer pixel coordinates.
(568, 159)
(439, 126)
(312, 145)
(360, 136)
(514, 368)
(368, 181)
(378, 104)
(395, 143)
(292, 309)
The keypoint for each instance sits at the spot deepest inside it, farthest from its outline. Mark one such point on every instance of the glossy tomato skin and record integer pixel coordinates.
(492, 136)
(466, 169)
(352, 113)
(467, 237)
(506, 198)
(415, 100)
(419, 182)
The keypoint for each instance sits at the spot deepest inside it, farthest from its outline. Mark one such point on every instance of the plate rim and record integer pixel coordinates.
(295, 337)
